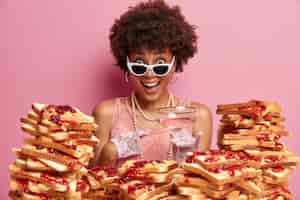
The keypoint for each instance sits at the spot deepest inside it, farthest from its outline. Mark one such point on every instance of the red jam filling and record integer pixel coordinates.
(51, 150)
(110, 171)
(231, 170)
(124, 179)
(269, 159)
(256, 111)
(54, 180)
(23, 182)
(277, 169)
(263, 138)
(56, 111)
(131, 172)
(133, 188)
(211, 159)
(82, 186)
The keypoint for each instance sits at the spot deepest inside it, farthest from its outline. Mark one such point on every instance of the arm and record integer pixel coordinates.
(105, 152)
(203, 126)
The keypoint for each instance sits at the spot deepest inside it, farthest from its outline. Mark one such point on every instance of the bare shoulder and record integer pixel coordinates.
(203, 125)
(104, 110)
(203, 110)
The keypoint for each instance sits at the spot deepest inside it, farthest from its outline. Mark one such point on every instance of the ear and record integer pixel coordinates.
(173, 70)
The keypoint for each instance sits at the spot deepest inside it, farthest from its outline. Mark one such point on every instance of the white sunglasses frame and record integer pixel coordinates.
(150, 67)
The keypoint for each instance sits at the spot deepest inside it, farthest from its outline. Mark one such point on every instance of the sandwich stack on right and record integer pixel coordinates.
(255, 128)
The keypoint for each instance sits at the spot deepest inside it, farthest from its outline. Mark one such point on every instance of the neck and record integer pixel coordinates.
(162, 101)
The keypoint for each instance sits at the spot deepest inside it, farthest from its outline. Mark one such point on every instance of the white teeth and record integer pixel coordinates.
(151, 84)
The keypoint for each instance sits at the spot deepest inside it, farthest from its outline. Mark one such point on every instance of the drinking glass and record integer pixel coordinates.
(178, 120)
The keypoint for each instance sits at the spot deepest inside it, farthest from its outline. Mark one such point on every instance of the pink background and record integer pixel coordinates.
(58, 52)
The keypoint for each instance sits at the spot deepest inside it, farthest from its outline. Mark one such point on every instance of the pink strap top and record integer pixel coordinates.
(155, 144)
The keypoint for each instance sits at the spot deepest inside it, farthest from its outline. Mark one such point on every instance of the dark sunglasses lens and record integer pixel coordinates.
(161, 70)
(138, 69)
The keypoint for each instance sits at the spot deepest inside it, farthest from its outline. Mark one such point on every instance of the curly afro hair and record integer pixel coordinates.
(153, 25)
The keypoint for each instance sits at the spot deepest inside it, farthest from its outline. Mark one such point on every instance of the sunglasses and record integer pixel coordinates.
(139, 69)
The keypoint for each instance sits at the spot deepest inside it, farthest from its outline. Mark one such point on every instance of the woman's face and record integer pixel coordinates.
(150, 87)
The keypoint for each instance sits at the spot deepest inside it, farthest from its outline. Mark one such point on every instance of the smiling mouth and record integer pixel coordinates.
(151, 85)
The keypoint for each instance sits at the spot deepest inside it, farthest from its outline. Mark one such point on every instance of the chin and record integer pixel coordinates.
(151, 97)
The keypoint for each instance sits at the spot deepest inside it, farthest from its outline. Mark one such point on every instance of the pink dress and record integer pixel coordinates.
(154, 144)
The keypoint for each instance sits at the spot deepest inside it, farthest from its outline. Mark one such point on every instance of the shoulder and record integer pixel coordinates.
(104, 110)
(202, 110)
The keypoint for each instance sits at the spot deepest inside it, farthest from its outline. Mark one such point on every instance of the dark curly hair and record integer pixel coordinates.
(153, 25)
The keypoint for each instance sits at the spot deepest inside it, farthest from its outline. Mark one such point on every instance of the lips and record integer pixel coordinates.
(150, 85)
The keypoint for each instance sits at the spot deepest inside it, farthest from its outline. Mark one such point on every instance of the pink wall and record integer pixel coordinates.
(58, 52)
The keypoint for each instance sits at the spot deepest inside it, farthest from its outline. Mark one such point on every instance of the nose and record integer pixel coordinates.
(149, 74)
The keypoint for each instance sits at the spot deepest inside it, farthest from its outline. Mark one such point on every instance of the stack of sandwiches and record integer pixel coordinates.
(213, 174)
(55, 154)
(102, 182)
(252, 164)
(143, 180)
(255, 129)
(254, 124)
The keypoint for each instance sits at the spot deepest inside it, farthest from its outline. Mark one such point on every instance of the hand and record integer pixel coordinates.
(127, 145)
(183, 138)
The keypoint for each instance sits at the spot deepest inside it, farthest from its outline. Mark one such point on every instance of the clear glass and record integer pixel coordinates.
(179, 122)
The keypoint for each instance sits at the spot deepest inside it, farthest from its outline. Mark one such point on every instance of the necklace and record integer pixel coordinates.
(135, 104)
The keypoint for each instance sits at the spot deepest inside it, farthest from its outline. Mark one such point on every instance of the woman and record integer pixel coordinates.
(150, 42)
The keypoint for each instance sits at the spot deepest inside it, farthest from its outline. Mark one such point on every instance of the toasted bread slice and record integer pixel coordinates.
(140, 191)
(99, 194)
(30, 128)
(235, 105)
(237, 195)
(52, 155)
(203, 191)
(99, 177)
(32, 161)
(15, 195)
(67, 117)
(155, 178)
(222, 176)
(189, 191)
(237, 133)
(260, 137)
(32, 164)
(166, 196)
(251, 185)
(278, 146)
(270, 117)
(160, 196)
(278, 172)
(33, 115)
(192, 180)
(162, 178)
(250, 143)
(277, 193)
(39, 130)
(20, 185)
(261, 153)
(221, 158)
(71, 147)
(147, 166)
(274, 161)
(259, 110)
(216, 158)
(275, 181)
(56, 183)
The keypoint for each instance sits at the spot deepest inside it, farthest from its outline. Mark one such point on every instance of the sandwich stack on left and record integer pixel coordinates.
(55, 154)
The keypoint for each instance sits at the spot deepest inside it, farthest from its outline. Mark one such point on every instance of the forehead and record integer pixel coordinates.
(147, 51)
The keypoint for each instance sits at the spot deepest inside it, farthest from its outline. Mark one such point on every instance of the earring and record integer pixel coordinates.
(126, 76)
